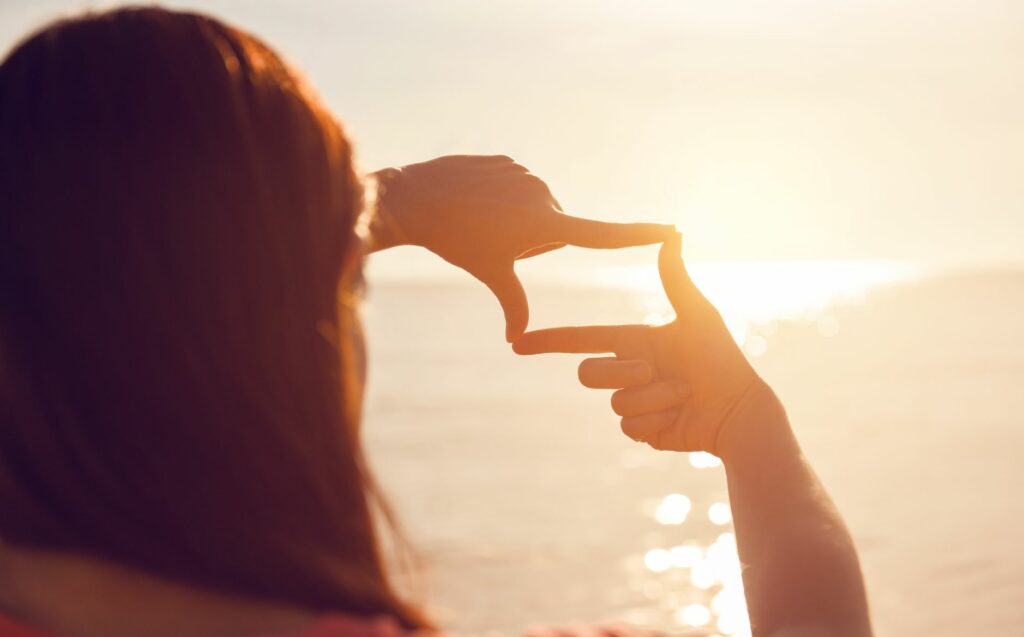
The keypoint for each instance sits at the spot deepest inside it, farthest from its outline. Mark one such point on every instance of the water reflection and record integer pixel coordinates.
(703, 575)
(719, 513)
(686, 556)
(769, 290)
(673, 509)
(754, 296)
(704, 460)
(658, 560)
(696, 579)
(701, 585)
(694, 615)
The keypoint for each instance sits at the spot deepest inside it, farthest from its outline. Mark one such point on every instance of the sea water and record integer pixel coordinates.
(528, 506)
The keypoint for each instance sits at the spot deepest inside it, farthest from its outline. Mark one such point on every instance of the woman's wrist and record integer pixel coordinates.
(386, 227)
(758, 420)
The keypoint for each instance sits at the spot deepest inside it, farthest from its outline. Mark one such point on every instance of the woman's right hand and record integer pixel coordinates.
(681, 386)
(686, 386)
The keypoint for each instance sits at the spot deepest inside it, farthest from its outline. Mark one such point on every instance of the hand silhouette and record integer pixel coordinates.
(482, 213)
(679, 384)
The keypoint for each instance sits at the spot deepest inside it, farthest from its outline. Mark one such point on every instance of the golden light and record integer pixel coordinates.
(753, 295)
(658, 560)
(673, 509)
(720, 513)
(686, 555)
(694, 615)
(704, 460)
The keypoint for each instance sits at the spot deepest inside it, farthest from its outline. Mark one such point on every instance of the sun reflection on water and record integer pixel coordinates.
(694, 615)
(696, 579)
(702, 580)
(753, 295)
(719, 513)
(673, 509)
(704, 460)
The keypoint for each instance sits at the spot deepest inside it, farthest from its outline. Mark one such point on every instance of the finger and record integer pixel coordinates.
(592, 339)
(650, 398)
(547, 247)
(506, 286)
(679, 288)
(613, 373)
(648, 426)
(588, 233)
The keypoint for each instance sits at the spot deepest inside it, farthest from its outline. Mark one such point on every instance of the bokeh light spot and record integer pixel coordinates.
(673, 509)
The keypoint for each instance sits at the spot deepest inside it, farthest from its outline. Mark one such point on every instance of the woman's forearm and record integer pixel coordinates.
(800, 566)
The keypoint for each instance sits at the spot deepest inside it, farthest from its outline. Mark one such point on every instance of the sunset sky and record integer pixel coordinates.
(797, 129)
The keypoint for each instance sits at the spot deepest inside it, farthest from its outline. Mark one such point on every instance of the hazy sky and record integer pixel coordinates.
(790, 129)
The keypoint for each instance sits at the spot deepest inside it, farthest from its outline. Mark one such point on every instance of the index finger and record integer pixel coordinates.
(592, 339)
(587, 233)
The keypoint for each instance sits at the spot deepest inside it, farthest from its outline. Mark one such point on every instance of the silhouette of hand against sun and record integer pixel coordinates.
(680, 386)
(482, 213)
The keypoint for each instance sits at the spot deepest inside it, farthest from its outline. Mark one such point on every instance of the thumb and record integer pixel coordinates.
(506, 286)
(679, 288)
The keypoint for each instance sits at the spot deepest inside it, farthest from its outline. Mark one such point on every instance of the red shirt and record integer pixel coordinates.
(329, 626)
(382, 626)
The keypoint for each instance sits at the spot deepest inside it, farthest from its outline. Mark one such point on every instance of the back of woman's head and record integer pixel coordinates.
(176, 211)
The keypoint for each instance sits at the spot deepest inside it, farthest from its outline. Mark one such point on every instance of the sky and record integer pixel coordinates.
(796, 129)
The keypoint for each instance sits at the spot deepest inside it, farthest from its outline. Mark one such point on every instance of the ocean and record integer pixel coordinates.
(526, 505)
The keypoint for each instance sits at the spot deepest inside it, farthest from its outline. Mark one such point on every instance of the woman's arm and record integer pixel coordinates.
(800, 564)
(686, 386)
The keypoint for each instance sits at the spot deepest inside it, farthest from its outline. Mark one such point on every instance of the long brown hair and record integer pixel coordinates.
(176, 212)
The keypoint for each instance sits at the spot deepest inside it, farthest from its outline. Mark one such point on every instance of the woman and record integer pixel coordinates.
(181, 365)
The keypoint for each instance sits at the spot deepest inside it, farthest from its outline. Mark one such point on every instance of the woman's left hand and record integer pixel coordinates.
(482, 213)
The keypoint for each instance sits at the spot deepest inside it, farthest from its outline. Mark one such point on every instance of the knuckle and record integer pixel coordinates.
(658, 444)
(665, 394)
(535, 184)
(667, 418)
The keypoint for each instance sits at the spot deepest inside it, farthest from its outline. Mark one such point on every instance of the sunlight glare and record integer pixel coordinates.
(694, 615)
(753, 293)
(658, 560)
(704, 460)
(686, 555)
(702, 575)
(720, 513)
(673, 509)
